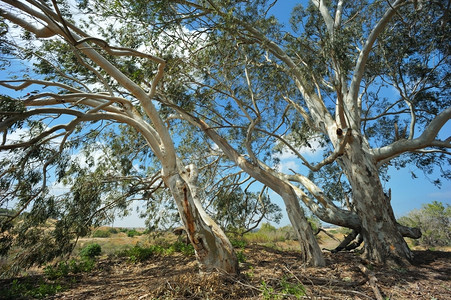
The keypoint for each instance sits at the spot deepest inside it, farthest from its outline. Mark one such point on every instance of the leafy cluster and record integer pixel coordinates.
(434, 220)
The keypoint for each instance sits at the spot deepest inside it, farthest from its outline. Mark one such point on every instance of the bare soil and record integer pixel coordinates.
(266, 274)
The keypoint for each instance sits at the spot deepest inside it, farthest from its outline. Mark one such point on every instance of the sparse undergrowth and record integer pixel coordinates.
(141, 254)
(165, 268)
(53, 280)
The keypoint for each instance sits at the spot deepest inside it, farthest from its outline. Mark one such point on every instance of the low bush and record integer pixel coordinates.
(27, 290)
(133, 233)
(73, 266)
(91, 250)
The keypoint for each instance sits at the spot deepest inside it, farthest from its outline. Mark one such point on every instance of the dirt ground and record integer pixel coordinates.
(266, 274)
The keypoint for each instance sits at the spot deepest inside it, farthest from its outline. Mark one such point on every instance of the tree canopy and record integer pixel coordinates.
(141, 87)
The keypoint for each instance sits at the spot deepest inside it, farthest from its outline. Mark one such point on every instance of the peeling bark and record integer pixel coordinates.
(383, 241)
(213, 249)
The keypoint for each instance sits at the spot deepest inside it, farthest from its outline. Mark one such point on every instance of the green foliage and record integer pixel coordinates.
(64, 268)
(186, 249)
(295, 289)
(239, 211)
(282, 289)
(113, 230)
(267, 234)
(238, 243)
(434, 220)
(241, 256)
(101, 233)
(267, 228)
(54, 272)
(268, 292)
(91, 250)
(140, 254)
(26, 289)
(133, 233)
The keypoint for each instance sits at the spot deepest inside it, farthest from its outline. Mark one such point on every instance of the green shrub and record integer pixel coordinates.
(139, 254)
(434, 221)
(266, 227)
(186, 249)
(133, 233)
(54, 272)
(85, 265)
(113, 230)
(238, 243)
(241, 256)
(101, 233)
(91, 250)
(26, 290)
(74, 266)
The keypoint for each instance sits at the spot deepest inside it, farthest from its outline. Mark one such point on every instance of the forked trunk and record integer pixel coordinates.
(383, 241)
(213, 249)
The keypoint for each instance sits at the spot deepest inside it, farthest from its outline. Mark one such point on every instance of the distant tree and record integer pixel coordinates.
(434, 220)
(243, 211)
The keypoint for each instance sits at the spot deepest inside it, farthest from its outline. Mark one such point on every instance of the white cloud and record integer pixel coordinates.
(289, 160)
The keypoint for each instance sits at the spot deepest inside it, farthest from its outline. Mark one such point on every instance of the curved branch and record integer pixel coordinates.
(426, 139)
(364, 53)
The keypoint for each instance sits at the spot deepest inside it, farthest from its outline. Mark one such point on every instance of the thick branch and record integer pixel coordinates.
(364, 53)
(426, 139)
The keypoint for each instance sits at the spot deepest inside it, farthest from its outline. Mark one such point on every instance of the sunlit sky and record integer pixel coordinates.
(407, 192)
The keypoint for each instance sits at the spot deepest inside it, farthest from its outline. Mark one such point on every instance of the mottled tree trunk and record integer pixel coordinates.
(213, 249)
(383, 241)
(312, 254)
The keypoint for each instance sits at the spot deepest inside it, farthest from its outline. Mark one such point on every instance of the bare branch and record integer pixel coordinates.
(364, 53)
(326, 15)
(426, 139)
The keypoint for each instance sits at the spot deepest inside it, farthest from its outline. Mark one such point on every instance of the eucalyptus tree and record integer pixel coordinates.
(86, 91)
(368, 79)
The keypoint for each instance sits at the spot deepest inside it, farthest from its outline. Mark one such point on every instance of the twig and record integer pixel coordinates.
(372, 281)
(355, 292)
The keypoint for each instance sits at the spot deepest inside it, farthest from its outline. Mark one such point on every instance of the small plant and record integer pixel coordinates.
(54, 272)
(240, 256)
(238, 243)
(138, 253)
(186, 249)
(268, 292)
(295, 289)
(91, 250)
(86, 265)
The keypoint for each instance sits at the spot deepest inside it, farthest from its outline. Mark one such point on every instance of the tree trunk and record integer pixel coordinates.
(311, 250)
(213, 249)
(383, 241)
(312, 254)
